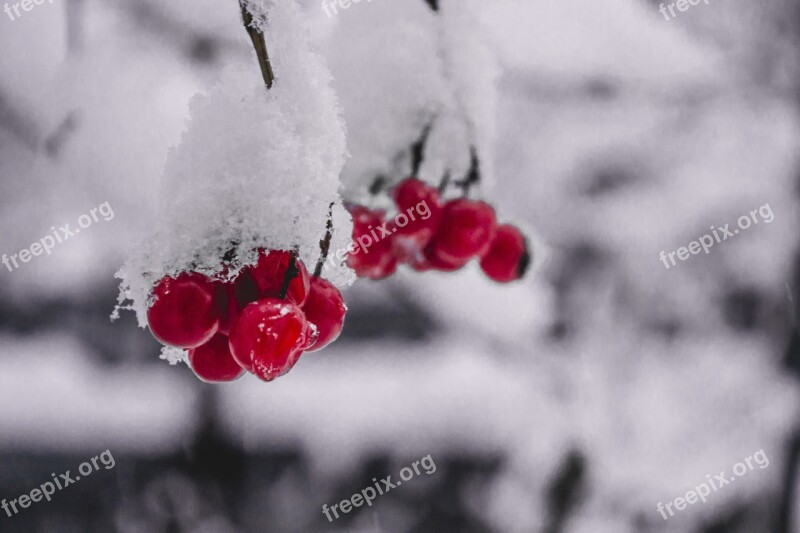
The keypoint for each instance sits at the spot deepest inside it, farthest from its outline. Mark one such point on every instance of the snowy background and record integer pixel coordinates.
(572, 402)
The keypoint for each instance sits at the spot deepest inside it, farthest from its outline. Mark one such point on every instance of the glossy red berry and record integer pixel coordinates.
(326, 310)
(185, 312)
(269, 274)
(443, 264)
(418, 214)
(269, 336)
(385, 268)
(212, 362)
(411, 191)
(466, 231)
(508, 257)
(372, 255)
(427, 260)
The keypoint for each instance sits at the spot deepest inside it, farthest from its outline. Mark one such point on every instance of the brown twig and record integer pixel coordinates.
(473, 174)
(418, 149)
(291, 272)
(325, 243)
(444, 183)
(259, 44)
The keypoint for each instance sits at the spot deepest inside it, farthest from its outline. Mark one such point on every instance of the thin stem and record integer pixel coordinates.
(418, 149)
(444, 183)
(259, 44)
(291, 272)
(325, 243)
(473, 174)
(377, 185)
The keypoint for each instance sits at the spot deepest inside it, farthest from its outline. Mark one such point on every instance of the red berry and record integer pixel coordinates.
(419, 213)
(428, 260)
(269, 336)
(212, 362)
(325, 309)
(185, 312)
(507, 258)
(386, 268)
(270, 271)
(372, 255)
(411, 191)
(466, 231)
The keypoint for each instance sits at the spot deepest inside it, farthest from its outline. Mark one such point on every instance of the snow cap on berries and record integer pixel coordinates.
(255, 168)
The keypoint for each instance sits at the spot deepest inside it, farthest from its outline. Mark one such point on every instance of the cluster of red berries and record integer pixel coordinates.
(259, 322)
(452, 233)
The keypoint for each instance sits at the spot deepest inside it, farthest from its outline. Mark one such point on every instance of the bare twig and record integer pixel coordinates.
(291, 272)
(473, 174)
(444, 183)
(418, 149)
(259, 44)
(325, 243)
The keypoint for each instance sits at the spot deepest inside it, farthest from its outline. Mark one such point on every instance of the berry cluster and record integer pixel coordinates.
(455, 232)
(260, 322)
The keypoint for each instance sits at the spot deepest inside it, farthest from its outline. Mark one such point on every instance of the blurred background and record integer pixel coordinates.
(572, 402)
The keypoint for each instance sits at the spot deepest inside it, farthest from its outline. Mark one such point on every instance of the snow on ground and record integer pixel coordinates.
(53, 397)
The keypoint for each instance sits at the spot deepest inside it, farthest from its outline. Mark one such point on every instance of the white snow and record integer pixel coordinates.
(53, 397)
(255, 168)
(400, 67)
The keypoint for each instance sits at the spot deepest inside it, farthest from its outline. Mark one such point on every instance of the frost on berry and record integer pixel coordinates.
(255, 169)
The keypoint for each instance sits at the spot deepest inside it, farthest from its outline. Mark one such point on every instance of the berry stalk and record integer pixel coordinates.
(444, 183)
(257, 37)
(473, 174)
(325, 243)
(418, 149)
(291, 272)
